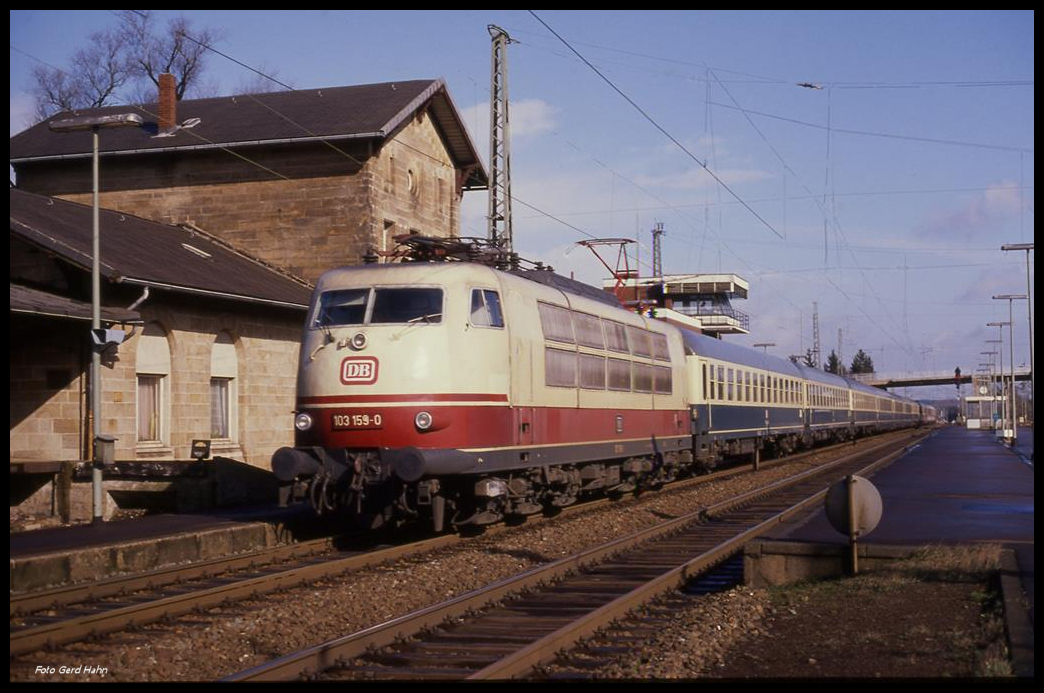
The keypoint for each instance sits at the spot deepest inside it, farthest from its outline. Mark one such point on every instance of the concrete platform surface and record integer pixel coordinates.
(71, 555)
(957, 486)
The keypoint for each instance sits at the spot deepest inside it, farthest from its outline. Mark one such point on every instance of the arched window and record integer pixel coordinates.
(153, 375)
(224, 369)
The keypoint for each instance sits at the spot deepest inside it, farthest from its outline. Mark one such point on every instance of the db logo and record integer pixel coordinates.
(359, 370)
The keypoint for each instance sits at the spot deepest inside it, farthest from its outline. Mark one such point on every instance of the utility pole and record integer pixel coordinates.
(657, 233)
(816, 350)
(1028, 247)
(499, 228)
(840, 358)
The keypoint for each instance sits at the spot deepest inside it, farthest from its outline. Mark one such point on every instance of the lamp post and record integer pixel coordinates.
(992, 371)
(1011, 298)
(95, 124)
(1000, 332)
(764, 346)
(1028, 247)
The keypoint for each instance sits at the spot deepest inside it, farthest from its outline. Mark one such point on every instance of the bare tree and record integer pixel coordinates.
(123, 65)
(180, 50)
(96, 75)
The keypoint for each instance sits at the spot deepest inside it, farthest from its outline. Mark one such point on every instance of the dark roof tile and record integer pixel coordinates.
(144, 252)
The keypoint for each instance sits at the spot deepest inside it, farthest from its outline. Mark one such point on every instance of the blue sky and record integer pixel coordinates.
(885, 196)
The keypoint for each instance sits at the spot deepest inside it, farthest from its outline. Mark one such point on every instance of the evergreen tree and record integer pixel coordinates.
(862, 363)
(833, 364)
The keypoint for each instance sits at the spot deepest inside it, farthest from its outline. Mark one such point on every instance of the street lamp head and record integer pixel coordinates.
(1017, 246)
(1011, 297)
(998, 324)
(120, 120)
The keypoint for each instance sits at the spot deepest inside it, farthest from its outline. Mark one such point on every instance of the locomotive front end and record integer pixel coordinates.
(386, 393)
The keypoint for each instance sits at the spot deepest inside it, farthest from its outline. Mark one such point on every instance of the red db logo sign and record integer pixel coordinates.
(359, 370)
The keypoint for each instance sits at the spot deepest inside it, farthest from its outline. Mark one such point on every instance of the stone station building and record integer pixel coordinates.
(217, 218)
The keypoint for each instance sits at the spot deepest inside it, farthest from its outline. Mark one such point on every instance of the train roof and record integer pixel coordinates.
(557, 281)
(702, 345)
(824, 377)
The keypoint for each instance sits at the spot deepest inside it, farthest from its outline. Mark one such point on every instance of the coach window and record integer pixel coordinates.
(556, 323)
(643, 377)
(640, 343)
(619, 375)
(660, 350)
(592, 372)
(559, 368)
(588, 330)
(662, 383)
(485, 308)
(615, 337)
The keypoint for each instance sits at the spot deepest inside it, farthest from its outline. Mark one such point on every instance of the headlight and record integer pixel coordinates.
(423, 420)
(358, 341)
(303, 421)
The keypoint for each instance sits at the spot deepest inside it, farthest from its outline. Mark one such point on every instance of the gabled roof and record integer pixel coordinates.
(142, 252)
(370, 111)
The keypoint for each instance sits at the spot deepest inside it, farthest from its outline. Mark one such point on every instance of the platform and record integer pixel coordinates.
(958, 486)
(68, 555)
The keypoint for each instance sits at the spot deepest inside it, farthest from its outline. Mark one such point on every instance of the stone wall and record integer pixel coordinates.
(48, 383)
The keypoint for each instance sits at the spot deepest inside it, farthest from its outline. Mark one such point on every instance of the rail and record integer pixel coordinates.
(468, 650)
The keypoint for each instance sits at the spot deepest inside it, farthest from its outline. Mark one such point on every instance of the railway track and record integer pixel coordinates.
(51, 618)
(71, 614)
(512, 626)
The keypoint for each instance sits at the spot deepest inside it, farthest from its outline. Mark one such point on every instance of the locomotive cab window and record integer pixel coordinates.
(341, 307)
(485, 308)
(378, 306)
(407, 305)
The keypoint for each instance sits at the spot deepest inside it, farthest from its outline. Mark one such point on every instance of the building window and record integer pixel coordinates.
(220, 408)
(153, 395)
(149, 408)
(224, 369)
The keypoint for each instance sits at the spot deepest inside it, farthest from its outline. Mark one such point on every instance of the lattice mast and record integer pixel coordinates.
(657, 235)
(499, 229)
(817, 352)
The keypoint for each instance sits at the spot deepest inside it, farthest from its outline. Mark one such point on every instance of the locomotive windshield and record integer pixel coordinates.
(377, 306)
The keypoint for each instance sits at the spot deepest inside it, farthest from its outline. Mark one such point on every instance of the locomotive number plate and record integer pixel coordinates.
(356, 422)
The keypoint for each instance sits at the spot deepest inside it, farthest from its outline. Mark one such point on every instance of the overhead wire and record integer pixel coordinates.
(659, 127)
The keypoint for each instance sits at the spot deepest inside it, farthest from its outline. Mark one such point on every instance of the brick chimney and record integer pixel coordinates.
(167, 101)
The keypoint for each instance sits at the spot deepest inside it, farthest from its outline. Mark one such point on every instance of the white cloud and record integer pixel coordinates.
(528, 117)
(998, 203)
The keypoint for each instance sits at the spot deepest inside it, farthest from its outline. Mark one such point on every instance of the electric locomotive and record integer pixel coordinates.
(462, 393)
